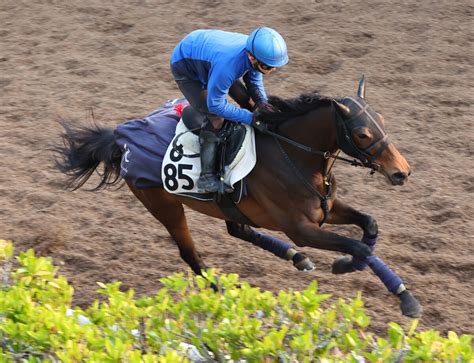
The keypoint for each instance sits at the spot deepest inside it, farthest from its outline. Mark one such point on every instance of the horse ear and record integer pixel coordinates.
(361, 89)
(345, 110)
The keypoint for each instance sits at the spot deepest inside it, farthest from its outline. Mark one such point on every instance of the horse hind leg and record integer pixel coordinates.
(279, 248)
(170, 213)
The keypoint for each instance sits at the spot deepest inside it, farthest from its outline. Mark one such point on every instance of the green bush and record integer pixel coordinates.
(187, 321)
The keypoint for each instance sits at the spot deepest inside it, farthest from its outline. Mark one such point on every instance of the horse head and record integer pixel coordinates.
(361, 134)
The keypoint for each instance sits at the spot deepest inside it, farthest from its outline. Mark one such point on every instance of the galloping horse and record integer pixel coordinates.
(291, 189)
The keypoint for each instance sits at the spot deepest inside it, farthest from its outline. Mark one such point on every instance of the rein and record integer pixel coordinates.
(327, 183)
(325, 154)
(368, 162)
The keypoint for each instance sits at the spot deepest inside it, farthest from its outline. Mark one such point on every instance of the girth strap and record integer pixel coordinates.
(230, 210)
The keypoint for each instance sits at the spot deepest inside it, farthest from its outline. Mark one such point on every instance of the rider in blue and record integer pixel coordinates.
(207, 65)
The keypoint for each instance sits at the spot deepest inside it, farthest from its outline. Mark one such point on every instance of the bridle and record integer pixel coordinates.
(367, 156)
(364, 157)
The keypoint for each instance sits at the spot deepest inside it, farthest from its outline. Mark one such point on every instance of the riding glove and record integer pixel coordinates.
(257, 124)
(265, 106)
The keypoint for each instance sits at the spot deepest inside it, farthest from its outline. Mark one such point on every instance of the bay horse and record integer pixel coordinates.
(291, 189)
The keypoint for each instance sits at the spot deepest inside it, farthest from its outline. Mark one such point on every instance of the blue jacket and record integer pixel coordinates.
(217, 59)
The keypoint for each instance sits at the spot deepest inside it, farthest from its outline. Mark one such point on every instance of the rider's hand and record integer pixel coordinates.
(257, 124)
(265, 106)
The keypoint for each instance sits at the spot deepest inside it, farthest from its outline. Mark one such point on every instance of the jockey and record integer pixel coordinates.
(207, 65)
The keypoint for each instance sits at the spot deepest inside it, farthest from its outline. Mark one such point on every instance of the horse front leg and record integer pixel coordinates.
(307, 233)
(276, 246)
(343, 214)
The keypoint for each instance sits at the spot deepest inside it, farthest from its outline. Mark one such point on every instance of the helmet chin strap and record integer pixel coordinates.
(258, 69)
(254, 63)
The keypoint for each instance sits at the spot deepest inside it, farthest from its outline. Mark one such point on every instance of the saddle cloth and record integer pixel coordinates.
(182, 165)
(144, 142)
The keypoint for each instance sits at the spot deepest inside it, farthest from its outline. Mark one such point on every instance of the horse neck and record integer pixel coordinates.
(316, 129)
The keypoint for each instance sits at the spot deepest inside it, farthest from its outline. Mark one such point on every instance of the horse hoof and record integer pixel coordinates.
(409, 305)
(342, 265)
(303, 263)
(214, 287)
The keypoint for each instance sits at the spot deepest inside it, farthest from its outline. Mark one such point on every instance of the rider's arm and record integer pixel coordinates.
(254, 82)
(217, 89)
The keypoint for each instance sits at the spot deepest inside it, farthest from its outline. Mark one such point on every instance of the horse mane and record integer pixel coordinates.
(293, 107)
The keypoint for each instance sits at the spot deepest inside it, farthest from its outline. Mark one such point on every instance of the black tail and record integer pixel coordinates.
(83, 149)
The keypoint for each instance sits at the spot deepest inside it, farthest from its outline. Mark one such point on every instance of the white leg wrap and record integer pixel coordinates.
(400, 289)
(290, 253)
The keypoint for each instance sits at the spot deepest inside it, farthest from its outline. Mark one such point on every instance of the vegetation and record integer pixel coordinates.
(187, 321)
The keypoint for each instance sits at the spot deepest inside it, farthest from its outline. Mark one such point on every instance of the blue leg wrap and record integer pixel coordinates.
(272, 244)
(390, 279)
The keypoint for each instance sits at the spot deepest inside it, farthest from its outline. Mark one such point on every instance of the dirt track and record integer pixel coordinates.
(64, 58)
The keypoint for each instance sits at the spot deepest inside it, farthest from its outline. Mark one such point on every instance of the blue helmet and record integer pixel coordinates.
(268, 47)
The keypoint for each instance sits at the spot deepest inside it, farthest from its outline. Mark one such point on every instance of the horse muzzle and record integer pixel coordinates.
(399, 177)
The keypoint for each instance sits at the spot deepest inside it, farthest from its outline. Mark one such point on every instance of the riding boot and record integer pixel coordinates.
(208, 181)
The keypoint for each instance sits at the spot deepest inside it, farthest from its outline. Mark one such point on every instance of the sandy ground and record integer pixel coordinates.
(64, 58)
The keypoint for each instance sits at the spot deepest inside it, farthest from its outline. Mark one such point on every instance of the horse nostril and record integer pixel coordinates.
(399, 176)
(409, 172)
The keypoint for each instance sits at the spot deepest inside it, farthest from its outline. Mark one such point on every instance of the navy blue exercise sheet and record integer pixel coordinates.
(144, 142)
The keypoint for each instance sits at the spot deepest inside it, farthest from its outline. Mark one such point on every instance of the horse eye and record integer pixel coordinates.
(363, 136)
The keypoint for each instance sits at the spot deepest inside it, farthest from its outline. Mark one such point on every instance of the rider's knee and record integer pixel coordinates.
(215, 122)
(193, 118)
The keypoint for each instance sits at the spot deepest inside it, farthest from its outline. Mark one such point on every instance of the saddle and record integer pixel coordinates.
(230, 137)
(236, 157)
